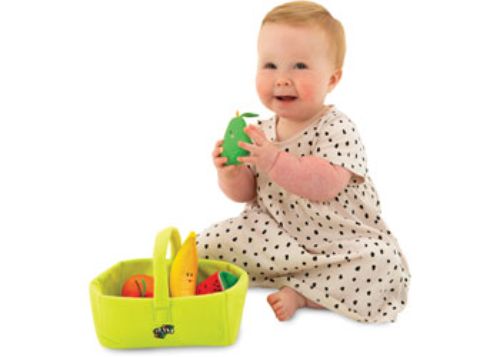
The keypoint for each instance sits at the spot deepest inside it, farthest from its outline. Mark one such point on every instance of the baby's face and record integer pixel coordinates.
(295, 71)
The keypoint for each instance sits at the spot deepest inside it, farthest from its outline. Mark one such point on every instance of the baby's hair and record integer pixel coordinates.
(300, 13)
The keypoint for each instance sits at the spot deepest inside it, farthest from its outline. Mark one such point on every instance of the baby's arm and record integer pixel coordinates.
(311, 177)
(240, 186)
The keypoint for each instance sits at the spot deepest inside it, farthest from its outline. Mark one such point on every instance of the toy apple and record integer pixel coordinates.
(234, 134)
(139, 285)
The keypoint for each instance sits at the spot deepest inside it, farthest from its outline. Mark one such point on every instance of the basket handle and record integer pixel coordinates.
(161, 300)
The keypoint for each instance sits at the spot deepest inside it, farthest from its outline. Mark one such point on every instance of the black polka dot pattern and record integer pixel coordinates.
(339, 254)
(339, 143)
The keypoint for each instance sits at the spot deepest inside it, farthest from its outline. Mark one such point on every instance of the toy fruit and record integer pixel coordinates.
(185, 269)
(218, 281)
(138, 286)
(234, 134)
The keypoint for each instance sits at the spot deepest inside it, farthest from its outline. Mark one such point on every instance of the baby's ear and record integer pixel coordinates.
(334, 79)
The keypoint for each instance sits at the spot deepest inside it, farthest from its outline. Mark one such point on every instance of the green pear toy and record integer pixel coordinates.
(234, 134)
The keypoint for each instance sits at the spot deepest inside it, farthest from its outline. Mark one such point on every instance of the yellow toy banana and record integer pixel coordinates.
(185, 269)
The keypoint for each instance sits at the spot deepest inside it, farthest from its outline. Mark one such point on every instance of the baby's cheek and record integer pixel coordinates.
(307, 91)
(310, 90)
(260, 89)
(263, 86)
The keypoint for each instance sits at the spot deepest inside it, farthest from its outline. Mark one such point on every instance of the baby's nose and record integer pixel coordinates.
(282, 82)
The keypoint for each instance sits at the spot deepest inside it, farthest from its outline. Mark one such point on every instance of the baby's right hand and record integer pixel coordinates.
(225, 172)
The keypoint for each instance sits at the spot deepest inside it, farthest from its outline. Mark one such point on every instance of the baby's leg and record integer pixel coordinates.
(255, 242)
(364, 279)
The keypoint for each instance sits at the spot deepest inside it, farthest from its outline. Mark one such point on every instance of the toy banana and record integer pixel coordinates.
(185, 269)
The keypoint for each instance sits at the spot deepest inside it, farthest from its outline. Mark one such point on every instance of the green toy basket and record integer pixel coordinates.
(162, 321)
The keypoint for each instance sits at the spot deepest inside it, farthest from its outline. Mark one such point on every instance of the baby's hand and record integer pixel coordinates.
(263, 153)
(226, 172)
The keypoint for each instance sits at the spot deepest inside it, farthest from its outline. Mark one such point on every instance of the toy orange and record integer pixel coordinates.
(138, 286)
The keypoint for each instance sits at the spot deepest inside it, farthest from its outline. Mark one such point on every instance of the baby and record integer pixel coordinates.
(311, 226)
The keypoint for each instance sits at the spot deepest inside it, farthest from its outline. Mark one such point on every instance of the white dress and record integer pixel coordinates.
(337, 253)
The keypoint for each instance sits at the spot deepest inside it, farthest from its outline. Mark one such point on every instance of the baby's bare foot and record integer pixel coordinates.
(285, 302)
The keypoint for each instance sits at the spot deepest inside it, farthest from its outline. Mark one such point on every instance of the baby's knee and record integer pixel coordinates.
(385, 256)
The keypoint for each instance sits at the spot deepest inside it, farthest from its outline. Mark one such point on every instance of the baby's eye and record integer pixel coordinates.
(300, 65)
(270, 65)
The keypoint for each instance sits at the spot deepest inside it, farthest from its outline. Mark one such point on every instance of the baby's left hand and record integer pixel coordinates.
(263, 153)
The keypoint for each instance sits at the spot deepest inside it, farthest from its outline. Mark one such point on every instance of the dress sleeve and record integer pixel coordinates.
(338, 141)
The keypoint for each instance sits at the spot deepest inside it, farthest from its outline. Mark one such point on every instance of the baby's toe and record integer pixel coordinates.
(281, 311)
(278, 307)
(273, 298)
(283, 315)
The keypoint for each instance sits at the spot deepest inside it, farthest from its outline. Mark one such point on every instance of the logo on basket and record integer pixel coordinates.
(163, 330)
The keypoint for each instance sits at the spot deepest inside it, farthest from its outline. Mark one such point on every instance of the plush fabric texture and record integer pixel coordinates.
(163, 321)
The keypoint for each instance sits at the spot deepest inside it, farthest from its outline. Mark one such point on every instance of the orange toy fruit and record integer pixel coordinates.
(139, 286)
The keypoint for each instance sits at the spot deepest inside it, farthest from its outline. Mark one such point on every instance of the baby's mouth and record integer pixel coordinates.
(285, 98)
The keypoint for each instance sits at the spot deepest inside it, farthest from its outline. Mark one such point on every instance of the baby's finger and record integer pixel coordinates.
(247, 159)
(217, 151)
(246, 146)
(218, 144)
(256, 134)
(220, 161)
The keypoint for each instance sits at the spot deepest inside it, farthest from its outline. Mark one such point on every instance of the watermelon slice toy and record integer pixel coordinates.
(218, 281)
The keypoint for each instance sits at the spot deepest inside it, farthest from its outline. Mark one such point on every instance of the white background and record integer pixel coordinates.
(109, 111)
